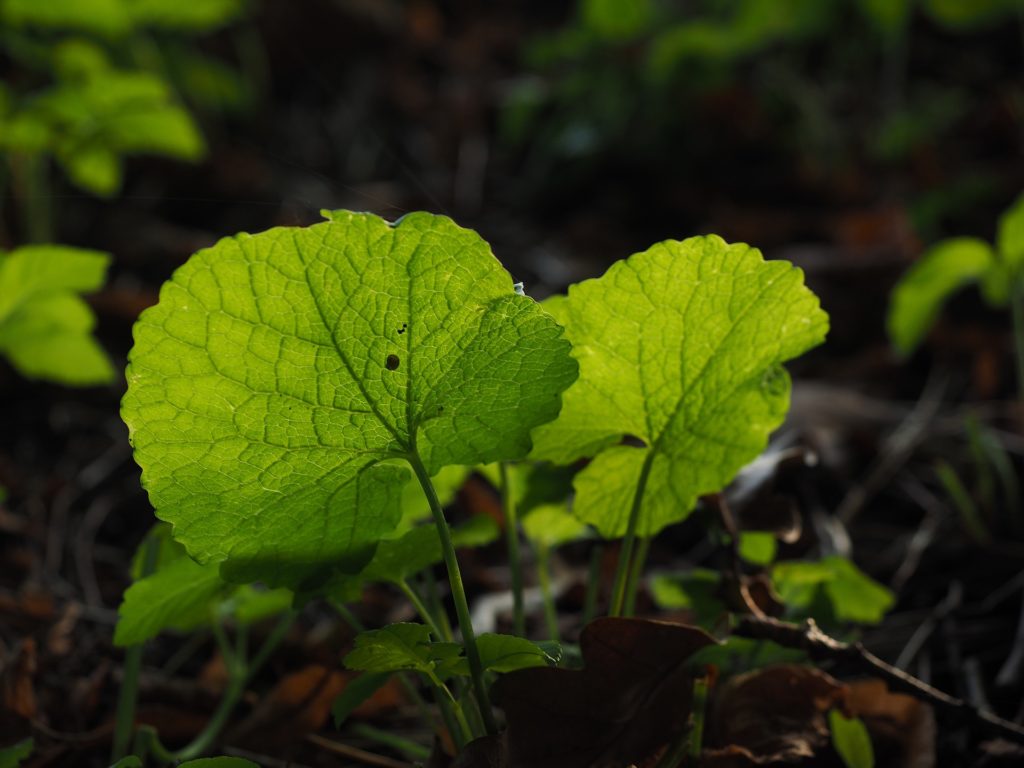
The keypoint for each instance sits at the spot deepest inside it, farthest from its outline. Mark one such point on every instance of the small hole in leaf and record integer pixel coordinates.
(392, 362)
(402, 329)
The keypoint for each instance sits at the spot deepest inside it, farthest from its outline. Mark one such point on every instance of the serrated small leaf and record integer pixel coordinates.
(281, 372)
(681, 348)
(939, 273)
(398, 647)
(44, 325)
(505, 653)
(178, 596)
(357, 690)
(851, 740)
(853, 595)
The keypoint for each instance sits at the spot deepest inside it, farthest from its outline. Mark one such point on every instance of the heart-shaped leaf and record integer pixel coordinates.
(680, 348)
(281, 374)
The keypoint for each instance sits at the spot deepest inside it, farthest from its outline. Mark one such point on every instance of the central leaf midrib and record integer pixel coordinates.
(656, 445)
(370, 402)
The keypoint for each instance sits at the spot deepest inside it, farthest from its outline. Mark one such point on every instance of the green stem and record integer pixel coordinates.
(635, 571)
(508, 506)
(436, 607)
(421, 609)
(544, 577)
(444, 706)
(241, 671)
(593, 584)
(1017, 301)
(124, 723)
(403, 679)
(413, 749)
(626, 553)
(458, 594)
(689, 741)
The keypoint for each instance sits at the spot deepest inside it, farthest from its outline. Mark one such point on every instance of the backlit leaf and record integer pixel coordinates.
(680, 348)
(281, 375)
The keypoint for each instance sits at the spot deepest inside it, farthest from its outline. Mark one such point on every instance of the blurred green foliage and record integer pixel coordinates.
(45, 326)
(95, 81)
(638, 83)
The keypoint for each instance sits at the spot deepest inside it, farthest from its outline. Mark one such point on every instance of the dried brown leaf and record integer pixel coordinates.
(632, 696)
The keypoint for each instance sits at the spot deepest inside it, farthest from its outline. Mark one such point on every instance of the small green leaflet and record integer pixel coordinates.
(935, 277)
(281, 375)
(182, 595)
(851, 740)
(44, 325)
(949, 266)
(12, 756)
(175, 597)
(404, 646)
(680, 347)
(757, 547)
(408, 647)
(853, 595)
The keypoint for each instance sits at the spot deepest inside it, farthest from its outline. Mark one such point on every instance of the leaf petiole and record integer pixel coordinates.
(623, 567)
(458, 593)
(508, 507)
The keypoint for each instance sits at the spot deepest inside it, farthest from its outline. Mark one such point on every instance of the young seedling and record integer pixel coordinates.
(953, 264)
(284, 378)
(681, 381)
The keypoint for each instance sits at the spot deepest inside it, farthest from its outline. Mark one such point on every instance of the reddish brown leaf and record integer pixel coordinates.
(632, 696)
(299, 704)
(17, 679)
(776, 714)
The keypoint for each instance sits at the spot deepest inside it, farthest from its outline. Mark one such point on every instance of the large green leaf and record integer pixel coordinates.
(680, 348)
(281, 375)
(920, 293)
(44, 326)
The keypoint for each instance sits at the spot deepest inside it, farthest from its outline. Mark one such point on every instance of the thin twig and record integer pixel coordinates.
(735, 572)
(354, 753)
(821, 647)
